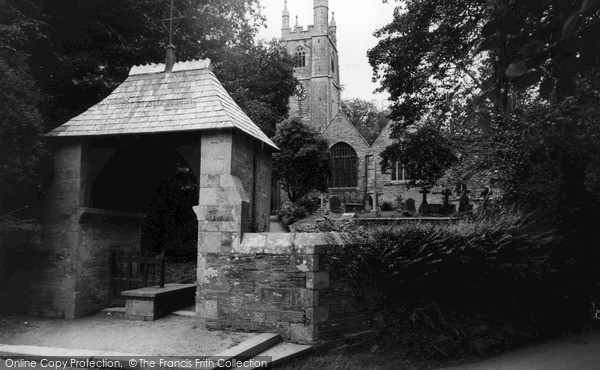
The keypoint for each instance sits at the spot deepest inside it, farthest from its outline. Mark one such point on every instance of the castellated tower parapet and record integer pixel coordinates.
(315, 53)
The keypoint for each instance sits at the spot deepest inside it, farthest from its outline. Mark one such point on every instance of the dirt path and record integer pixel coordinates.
(580, 351)
(169, 336)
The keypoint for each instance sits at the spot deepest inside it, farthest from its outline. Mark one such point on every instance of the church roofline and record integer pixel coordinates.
(341, 112)
(385, 128)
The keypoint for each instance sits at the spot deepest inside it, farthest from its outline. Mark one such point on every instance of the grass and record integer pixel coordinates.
(373, 358)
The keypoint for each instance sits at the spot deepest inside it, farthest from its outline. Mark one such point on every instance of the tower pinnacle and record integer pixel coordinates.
(285, 22)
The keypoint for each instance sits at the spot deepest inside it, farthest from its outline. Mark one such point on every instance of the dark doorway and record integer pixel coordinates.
(158, 181)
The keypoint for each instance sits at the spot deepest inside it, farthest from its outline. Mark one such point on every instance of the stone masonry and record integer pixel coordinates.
(70, 276)
(280, 283)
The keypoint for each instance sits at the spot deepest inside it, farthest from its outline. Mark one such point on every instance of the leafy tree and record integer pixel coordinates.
(425, 154)
(21, 127)
(303, 165)
(365, 116)
(479, 67)
(420, 59)
(515, 82)
(95, 43)
(260, 79)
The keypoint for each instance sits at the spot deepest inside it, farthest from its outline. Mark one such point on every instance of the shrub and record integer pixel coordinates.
(386, 206)
(291, 212)
(310, 204)
(468, 288)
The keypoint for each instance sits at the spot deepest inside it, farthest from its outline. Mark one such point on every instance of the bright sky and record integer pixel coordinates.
(356, 21)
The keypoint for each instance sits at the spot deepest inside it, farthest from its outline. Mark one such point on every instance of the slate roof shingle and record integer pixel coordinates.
(190, 98)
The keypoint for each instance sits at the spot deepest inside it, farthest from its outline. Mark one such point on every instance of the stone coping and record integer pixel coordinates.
(95, 215)
(403, 219)
(288, 243)
(156, 291)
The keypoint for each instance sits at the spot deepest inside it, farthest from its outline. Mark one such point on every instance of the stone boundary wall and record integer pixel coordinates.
(280, 283)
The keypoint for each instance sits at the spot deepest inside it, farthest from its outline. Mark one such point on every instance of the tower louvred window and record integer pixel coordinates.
(300, 57)
(344, 166)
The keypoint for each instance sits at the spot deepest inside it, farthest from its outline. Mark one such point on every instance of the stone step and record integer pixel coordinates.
(277, 354)
(251, 347)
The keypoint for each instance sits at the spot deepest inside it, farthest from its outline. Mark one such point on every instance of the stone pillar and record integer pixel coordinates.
(70, 276)
(54, 274)
(223, 212)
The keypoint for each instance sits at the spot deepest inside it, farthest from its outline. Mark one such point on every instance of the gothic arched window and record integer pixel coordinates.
(344, 166)
(300, 57)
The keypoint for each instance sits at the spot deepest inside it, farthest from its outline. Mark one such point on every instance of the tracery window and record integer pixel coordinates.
(398, 172)
(344, 167)
(300, 57)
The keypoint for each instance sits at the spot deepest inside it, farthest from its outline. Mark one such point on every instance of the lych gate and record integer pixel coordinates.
(157, 126)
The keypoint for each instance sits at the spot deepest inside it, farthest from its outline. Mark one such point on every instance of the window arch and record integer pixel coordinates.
(344, 166)
(300, 57)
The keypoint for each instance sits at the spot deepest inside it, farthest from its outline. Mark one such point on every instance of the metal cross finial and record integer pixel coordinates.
(171, 25)
(172, 18)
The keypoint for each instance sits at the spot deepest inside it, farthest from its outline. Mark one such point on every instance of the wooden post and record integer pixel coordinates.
(129, 270)
(162, 269)
(146, 265)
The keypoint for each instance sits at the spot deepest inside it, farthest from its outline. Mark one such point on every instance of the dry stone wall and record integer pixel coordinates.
(280, 283)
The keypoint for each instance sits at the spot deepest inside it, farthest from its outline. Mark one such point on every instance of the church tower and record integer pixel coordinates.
(317, 98)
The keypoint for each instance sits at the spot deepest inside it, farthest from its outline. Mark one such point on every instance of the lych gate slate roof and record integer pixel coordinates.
(190, 98)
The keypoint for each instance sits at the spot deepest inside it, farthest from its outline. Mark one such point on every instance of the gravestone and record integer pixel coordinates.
(464, 204)
(335, 204)
(434, 209)
(424, 207)
(368, 203)
(409, 205)
(447, 208)
(399, 203)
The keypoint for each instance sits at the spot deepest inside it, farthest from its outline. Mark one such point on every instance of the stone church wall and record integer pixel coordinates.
(341, 130)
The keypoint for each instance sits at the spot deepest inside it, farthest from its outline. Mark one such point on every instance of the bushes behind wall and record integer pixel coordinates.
(470, 288)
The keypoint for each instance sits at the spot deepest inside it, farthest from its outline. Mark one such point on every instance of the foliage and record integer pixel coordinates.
(419, 56)
(469, 288)
(260, 79)
(366, 117)
(387, 206)
(425, 154)
(435, 55)
(93, 44)
(291, 212)
(516, 84)
(310, 204)
(21, 126)
(303, 164)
